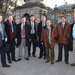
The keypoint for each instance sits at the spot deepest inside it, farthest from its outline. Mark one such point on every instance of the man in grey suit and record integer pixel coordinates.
(23, 35)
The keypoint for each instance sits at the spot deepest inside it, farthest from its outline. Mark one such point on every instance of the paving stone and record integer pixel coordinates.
(36, 66)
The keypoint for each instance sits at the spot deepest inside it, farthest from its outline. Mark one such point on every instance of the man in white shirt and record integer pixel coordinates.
(73, 37)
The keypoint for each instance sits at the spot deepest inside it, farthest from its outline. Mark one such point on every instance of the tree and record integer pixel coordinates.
(7, 6)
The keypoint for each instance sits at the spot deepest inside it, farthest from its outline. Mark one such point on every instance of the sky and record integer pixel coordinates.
(52, 3)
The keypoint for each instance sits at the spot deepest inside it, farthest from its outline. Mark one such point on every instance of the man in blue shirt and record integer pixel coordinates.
(2, 46)
(41, 25)
(73, 37)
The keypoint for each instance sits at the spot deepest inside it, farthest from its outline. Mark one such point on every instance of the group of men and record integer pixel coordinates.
(23, 34)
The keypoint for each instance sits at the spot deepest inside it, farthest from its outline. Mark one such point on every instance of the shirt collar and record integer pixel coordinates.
(22, 23)
(43, 22)
(63, 23)
(32, 22)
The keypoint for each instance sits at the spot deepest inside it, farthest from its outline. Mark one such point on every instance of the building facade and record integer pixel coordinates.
(37, 8)
(67, 10)
(31, 7)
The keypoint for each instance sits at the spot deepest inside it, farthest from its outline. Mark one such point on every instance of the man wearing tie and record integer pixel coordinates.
(63, 34)
(23, 35)
(41, 25)
(10, 28)
(33, 25)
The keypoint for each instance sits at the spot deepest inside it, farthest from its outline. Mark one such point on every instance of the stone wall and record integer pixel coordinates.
(36, 11)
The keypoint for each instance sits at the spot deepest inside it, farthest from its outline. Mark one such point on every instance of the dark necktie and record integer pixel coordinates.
(62, 28)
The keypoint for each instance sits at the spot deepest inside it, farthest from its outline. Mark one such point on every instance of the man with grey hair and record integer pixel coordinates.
(41, 25)
(48, 37)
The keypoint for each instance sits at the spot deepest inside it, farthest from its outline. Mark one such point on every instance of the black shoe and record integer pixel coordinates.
(27, 58)
(58, 61)
(29, 55)
(6, 65)
(15, 60)
(40, 57)
(9, 62)
(34, 56)
(66, 62)
(19, 59)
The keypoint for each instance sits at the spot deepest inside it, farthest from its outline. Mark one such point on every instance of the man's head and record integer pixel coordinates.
(1, 18)
(23, 19)
(63, 19)
(43, 19)
(10, 18)
(32, 18)
(48, 23)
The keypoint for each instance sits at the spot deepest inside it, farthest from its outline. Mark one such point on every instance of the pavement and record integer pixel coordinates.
(36, 66)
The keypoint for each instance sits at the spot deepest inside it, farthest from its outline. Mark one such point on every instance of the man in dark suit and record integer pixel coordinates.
(73, 39)
(33, 32)
(63, 34)
(10, 28)
(41, 25)
(23, 35)
(3, 39)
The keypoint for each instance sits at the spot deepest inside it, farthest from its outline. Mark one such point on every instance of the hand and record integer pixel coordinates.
(5, 39)
(41, 42)
(16, 40)
(37, 38)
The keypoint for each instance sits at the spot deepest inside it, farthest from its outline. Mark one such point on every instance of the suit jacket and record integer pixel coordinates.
(63, 38)
(2, 39)
(72, 29)
(43, 38)
(27, 33)
(3, 28)
(39, 30)
(36, 28)
(71, 38)
(7, 29)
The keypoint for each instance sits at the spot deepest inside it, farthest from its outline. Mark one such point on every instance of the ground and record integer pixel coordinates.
(36, 66)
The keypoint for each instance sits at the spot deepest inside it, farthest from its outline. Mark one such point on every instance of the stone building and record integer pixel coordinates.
(31, 7)
(37, 8)
(67, 10)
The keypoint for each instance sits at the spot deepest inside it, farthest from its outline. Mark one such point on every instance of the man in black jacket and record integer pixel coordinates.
(41, 25)
(3, 39)
(33, 35)
(10, 28)
(73, 39)
(23, 35)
